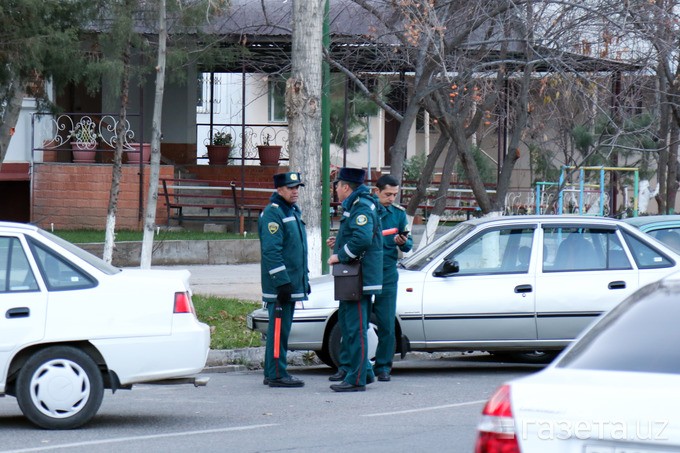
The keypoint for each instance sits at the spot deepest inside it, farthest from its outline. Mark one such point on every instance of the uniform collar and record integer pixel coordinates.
(278, 199)
(354, 195)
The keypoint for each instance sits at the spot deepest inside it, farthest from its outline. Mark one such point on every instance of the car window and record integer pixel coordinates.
(426, 254)
(498, 250)
(58, 273)
(644, 255)
(89, 258)
(582, 249)
(641, 334)
(669, 236)
(15, 271)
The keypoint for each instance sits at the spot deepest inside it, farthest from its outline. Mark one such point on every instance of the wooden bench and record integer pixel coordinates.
(234, 202)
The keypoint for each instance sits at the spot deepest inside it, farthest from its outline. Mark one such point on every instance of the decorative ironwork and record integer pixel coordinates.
(88, 132)
(251, 136)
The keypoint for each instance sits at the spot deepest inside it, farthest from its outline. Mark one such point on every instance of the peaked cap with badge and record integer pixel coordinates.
(289, 179)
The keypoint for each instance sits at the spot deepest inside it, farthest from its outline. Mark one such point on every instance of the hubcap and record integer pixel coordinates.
(60, 388)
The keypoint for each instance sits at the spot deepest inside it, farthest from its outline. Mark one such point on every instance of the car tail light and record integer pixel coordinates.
(183, 303)
(497, 427)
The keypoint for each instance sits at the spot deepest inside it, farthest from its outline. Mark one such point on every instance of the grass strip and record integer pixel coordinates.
(227, 321)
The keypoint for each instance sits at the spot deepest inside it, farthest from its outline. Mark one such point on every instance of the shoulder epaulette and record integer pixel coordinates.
(398, 206)
(275, 205)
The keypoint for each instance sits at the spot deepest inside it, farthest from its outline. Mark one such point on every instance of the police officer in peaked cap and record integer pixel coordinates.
(284, 271)
(359, 238)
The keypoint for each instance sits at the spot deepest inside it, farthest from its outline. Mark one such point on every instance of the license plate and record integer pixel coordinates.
(249, 322)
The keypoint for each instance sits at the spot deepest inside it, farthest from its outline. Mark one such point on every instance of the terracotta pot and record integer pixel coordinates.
(269, 155)
(133, 154)
(218, 154)
(83, 152)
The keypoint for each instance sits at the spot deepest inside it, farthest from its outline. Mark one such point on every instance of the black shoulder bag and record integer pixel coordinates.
(348, 281)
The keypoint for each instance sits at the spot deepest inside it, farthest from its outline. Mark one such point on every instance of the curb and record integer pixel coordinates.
(247, 359)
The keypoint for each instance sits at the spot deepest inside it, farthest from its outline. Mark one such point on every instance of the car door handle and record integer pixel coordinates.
(619, 284)
(523, 288)
(18, 312)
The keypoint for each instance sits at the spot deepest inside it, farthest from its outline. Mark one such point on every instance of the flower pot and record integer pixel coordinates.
(269, 154)
(83, 152)
(218, 154)
(133, 154)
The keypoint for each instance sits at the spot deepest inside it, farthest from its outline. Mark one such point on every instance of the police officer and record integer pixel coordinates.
(395, 238)
(283, 246)
(358, 238)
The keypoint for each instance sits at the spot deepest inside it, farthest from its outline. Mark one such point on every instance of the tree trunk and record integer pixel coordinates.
(426, 175)
(154, 171)
(441, 199)
(13, 97)
(116, 171)
(303, 107)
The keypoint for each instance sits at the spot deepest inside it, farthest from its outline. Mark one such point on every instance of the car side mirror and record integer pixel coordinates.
(447, 268)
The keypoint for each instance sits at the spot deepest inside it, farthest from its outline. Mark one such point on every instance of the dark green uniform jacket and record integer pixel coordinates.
(393, 216)
(359, 236)
(283, 246)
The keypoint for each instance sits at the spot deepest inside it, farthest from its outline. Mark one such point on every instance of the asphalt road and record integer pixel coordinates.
(430, 405)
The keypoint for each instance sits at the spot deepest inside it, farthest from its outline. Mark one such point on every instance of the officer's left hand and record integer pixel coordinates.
(400, 239)
(333, 259)
(284, 293)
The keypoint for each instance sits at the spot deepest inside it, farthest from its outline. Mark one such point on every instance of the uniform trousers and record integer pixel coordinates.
(276, 368)
(384, 311)
(353, 318)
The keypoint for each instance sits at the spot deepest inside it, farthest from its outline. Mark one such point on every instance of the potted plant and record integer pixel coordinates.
(269, 154)
(219, 150)
(134, 153)
(83, 144)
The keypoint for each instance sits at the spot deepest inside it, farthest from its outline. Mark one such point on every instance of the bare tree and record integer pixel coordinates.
(303, 108)
(152, 193)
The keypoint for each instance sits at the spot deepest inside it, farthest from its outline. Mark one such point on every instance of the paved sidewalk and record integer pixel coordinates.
(241, 281)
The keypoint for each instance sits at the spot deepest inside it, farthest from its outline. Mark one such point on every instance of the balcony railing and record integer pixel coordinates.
(245, 140)
(83, 132)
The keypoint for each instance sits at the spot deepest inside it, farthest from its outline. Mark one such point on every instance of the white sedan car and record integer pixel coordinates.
(72, 325)
(522, 285)
(615, 390)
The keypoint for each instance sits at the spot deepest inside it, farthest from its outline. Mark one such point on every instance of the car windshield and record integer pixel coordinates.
(82, 254)
(640, 334)
(423, 256)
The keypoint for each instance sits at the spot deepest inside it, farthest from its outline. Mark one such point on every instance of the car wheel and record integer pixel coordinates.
(528, 356)
(334, 344)
(536, 356)
(335, 341)
(325, 357)
(59, 388)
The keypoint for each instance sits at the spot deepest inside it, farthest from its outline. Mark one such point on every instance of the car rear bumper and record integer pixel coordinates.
(145, 359)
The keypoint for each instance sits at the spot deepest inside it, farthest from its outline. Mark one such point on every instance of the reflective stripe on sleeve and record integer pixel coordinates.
(277, 269)
(348, 252)
(288, 219)
(345, 214)
(372, 287)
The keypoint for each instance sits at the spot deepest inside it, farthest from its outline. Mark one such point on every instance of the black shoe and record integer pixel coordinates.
(288, 381)
(265, 381)
(347, 387)
(384, 376)
(370, 379)
(338, 376)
